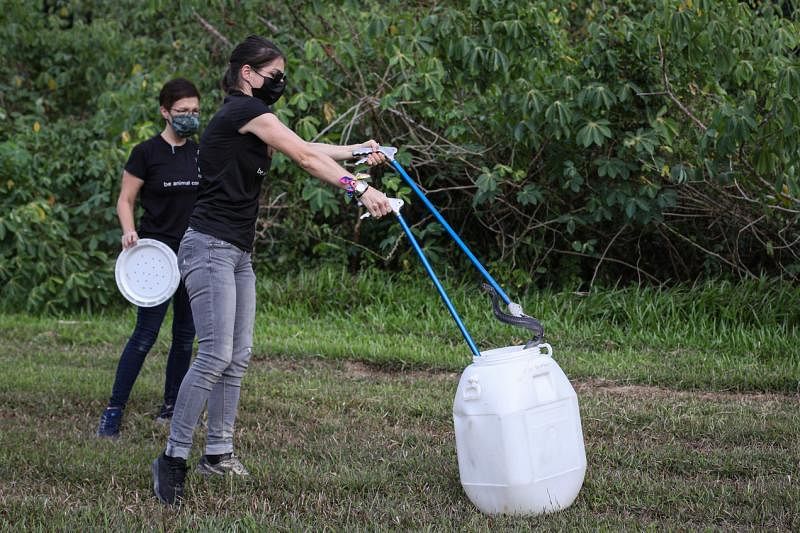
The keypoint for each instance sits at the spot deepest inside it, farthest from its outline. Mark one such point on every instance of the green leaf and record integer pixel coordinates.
(313, 50)
(487, 187)
(574, 180)
(743, 72)
(678, 174)
(559, 112)
(306, 127)
(320, 198)
(597, 96)
(612, 167)
(300, 101)
(530, 195)
(630, 208)
(643, 141)
(593, 132)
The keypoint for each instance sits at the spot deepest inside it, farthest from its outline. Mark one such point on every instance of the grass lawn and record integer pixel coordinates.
(689, 423)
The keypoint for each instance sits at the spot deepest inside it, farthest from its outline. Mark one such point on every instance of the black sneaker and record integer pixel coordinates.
(165, 414)
(169, 473)
(110, 421)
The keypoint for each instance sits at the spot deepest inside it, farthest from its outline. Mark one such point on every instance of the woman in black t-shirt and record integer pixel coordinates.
(214, 257)
(162, 173)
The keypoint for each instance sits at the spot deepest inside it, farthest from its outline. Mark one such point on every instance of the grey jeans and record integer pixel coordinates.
(221, 285)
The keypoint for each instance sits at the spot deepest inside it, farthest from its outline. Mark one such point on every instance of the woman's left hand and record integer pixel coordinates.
(376, 202)
(376, 157)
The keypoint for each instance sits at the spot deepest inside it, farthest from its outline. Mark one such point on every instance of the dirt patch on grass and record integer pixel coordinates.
(604, 386)
(360, 369)
(594, 386)
(354, 369)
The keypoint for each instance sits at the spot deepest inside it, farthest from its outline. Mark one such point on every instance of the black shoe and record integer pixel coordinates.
(165, 414)
(169, 474)
(110, 421)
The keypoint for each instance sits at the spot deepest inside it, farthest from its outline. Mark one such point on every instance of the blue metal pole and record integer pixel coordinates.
(439, 287)
(452, 232)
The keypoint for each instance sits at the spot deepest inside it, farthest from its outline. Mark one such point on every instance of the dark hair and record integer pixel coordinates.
(174, 90)
(254, 51)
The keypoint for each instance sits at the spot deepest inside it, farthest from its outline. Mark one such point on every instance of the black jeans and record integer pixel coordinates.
(148, 323)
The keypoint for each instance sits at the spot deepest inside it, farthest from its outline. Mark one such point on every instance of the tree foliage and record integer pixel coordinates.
(571, 142)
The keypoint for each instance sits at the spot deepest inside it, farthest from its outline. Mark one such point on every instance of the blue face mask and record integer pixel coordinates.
(185, 125)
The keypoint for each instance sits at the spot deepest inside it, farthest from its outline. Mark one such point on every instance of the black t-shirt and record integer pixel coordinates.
(232, 168)
(169, 189)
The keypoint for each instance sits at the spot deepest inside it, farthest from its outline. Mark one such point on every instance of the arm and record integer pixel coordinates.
(125, 206)
(310, 158)
(345, 152)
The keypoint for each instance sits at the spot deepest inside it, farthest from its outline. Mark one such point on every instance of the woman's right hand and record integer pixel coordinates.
(375, 158)
(376, 202)
(129, 238)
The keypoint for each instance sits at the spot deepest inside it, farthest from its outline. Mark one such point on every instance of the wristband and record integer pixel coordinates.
(349, 184)
(355, 187)
(360, 194)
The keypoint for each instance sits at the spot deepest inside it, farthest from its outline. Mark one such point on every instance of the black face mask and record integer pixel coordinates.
(272, 88)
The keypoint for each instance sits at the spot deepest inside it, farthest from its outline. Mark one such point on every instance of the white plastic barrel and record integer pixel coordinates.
(518, 432)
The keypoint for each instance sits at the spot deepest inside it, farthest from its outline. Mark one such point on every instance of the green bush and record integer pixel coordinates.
(655, 139)
(574, 142)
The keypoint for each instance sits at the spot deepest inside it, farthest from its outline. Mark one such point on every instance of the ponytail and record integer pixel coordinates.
(230, 80)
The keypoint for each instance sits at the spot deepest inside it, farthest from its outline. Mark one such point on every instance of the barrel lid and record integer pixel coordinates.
(147, 273)
(508, 354)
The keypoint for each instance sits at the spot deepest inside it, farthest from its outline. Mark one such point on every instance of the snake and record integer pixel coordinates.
(523, 320)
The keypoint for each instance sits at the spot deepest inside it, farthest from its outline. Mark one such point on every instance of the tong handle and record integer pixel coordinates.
(388, 151)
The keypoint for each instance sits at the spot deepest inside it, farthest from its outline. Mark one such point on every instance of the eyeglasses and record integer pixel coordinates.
(277, 77)
(186, 111)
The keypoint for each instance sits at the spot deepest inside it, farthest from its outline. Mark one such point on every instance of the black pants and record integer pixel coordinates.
(148, 324)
